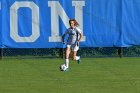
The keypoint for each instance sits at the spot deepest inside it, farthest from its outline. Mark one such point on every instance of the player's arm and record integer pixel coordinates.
(79, 38)
(63, 36)
(80, 33)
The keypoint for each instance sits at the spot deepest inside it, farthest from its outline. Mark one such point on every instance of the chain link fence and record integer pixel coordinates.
(60, 53)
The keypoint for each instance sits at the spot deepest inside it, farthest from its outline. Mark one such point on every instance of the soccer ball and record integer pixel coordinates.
(63, 67)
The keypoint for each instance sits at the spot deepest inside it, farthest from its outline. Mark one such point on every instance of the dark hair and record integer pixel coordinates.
(76, 23)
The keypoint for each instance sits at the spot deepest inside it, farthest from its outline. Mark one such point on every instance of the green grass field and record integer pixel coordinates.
(93, 75)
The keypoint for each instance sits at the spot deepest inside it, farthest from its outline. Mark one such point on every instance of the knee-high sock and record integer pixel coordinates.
(67, 63)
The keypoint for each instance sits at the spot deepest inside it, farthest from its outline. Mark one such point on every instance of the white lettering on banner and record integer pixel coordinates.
(14, 21)
(56, 11)
(0, 5)
(79, 14)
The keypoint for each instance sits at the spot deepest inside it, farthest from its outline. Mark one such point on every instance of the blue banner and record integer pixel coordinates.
(41, 23)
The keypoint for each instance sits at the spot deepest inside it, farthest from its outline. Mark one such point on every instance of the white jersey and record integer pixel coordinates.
(73, 35)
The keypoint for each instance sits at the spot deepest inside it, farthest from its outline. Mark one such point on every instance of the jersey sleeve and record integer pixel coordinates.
(78, 30)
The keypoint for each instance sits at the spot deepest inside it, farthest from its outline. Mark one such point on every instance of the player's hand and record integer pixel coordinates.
(64, 42)
(77, 43)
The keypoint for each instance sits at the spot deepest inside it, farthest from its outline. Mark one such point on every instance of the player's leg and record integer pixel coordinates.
(74, 53)
(67, 56)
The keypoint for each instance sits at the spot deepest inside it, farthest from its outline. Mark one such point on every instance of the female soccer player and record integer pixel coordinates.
(72, 42)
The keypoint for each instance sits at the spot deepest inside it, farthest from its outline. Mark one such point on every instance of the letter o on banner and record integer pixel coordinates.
(14, 21)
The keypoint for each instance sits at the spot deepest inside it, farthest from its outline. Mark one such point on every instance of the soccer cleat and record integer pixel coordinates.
(67, 69)
(78, 61)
